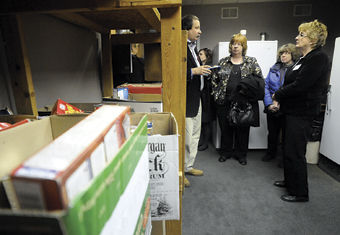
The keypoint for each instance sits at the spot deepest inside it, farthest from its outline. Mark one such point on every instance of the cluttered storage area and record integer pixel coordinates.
(92, 119)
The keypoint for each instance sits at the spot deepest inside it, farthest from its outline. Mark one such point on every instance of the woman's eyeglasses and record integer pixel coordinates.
(302, 35)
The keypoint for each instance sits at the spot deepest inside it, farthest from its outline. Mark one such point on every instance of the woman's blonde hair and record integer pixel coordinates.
(316, 31)
(290, 48)
(241, 39)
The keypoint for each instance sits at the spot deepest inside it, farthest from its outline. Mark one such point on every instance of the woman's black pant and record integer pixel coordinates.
(295, 167)
(275, 123)
(234, 140)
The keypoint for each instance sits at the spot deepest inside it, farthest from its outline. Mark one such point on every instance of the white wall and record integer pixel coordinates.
(64, 60)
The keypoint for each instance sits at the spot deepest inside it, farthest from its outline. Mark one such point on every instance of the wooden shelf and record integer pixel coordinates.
(100, 16)
(159, 21)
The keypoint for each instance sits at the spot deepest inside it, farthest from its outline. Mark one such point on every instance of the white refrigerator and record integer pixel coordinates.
(265, 53)
(329, 145)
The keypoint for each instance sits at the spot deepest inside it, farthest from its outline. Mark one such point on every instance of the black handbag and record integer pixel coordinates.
(241, 115)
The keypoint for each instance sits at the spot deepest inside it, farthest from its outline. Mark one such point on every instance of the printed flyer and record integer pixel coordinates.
(164, 179)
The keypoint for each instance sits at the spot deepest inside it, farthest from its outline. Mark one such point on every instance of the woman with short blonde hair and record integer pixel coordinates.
(299, 98)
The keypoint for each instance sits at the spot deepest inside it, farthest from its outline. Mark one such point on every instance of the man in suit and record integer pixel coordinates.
(195, 84)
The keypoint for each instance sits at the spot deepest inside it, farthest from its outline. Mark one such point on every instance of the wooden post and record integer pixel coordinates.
(174, 87)
(19, 65)
(107, 77)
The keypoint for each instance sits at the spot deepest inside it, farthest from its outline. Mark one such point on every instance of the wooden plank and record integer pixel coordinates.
(136, 38)
(118, 19)
(174, 85)
(107, 76)
(53, 6)
(157, 228)
(154, 3)
(19, 65)
(81, 21)
(184, 40)
(153, 17)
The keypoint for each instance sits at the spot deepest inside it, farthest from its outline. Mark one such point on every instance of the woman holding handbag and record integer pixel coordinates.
(239, 80)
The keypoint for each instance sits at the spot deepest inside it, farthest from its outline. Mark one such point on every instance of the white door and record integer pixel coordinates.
(265, 53)
(329, 146)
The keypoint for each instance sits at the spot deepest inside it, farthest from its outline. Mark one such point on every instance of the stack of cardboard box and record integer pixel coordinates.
(79, 176)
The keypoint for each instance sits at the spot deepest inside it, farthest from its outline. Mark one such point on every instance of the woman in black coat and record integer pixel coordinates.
(300, 100)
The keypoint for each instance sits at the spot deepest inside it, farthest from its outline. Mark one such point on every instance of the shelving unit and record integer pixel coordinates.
(160, 20)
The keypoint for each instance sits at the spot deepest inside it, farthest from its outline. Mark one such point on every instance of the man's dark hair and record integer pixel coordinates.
(187, 21)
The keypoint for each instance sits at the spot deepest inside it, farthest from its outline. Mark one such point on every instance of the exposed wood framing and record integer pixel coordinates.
(184, 75)
(81, 21)
(107, 74)
(153, 62)
(18, 65)
(136, 38)
(152, 16)
(101, 16)
(174, 86)
(53, 6)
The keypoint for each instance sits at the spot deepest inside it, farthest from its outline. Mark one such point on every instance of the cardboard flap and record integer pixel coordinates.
(61, 123)
(20, 143)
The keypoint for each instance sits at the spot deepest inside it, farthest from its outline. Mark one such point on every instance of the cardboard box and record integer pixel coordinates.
(15, 120)
(146, 97)
(137, 106)
(145, 92)
(143, 88)
(87, 107)
(20, 143)
(55, 175)
(92, 211)
(163, 151)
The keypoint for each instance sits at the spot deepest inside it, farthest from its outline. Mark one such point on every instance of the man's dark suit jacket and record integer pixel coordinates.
(193, 87)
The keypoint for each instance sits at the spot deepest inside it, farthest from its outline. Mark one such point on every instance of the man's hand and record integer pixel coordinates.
(202, 70)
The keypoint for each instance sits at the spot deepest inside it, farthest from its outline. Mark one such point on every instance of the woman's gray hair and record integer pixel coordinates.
(290, 48)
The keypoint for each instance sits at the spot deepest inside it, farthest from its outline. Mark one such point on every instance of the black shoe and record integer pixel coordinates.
(242, 161)
(223, 158)
(202, 147)
(267, 158)
(280, 183)
(291, 198)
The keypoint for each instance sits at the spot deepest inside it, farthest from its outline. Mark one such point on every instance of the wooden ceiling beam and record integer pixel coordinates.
(152, 16)
(53, 6)
(136, 38)
(81, 21)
